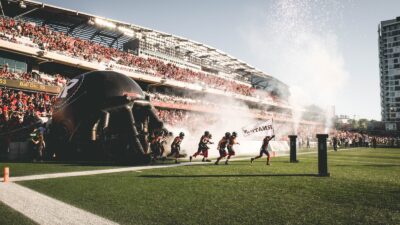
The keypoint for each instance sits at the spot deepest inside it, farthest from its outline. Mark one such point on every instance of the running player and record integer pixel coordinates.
(176, 147)
(222, 145)
(155, 144)
(264, 149)
(203, 147)
(232, 141)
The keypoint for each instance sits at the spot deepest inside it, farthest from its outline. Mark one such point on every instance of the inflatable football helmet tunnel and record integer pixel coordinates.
(101, 115)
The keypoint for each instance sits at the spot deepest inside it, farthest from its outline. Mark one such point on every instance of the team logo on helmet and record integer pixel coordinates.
(69, 92)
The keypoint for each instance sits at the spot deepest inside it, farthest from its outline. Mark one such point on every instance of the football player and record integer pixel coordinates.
(222, 147)
(176, 147)
(203, 147)
(264, 149)
(232, 141)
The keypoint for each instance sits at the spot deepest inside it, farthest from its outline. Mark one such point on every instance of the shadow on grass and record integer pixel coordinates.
(229, 175)
(368, 165)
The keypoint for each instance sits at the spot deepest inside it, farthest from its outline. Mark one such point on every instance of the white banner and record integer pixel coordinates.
(259, 129)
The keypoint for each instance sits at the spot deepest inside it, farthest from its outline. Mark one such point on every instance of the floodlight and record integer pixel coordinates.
(104, 23)
(22, 5)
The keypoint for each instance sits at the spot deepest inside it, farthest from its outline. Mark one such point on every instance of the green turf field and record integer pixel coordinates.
(24, 169)
(364, 188)
(9, 216)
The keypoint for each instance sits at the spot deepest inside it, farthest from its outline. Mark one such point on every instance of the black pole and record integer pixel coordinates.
(293, 156)
(322, 155)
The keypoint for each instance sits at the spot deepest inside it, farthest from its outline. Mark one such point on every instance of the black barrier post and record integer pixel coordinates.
(322, 155)
(293, 156)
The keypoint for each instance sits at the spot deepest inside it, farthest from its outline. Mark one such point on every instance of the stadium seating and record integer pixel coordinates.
(52, 80)
(47, 39)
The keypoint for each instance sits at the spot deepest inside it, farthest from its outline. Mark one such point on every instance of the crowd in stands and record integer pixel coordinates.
(172, 117)
(51, 40)
(19, 108)
(55, 80)
(173, 99)
(357, 139)
(187, 101)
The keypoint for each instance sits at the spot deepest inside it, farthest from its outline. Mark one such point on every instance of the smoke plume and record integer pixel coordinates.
(296, 43)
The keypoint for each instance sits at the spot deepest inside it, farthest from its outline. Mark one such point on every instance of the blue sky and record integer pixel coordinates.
(345, 32)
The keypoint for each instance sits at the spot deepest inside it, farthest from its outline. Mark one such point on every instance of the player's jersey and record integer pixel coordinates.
(156, 140)
(222, 143)
(232, 141)
(266, 142)
(177, 142)
(204, 140)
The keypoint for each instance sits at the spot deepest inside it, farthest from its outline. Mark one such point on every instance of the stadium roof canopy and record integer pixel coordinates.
(115, 33)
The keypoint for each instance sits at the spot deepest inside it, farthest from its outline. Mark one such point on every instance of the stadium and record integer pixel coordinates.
(171, 86)
(186, 80)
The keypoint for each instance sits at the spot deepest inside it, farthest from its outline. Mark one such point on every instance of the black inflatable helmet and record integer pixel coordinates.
(181, 134)
(206, 133)
(227, 134)
(102, 109)
(234, 134)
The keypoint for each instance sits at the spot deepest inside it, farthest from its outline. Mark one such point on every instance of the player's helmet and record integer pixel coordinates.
(181, 134)
(234, 134)
(206, 133)
(227, 134)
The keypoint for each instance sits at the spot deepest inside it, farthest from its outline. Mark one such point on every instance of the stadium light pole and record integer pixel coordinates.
(293, 154)
(322, 155)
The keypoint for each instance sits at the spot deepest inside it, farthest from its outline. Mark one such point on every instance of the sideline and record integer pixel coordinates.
(137, 168)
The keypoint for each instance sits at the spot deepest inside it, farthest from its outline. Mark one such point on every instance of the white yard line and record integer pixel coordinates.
(45, 210)
(94, 172)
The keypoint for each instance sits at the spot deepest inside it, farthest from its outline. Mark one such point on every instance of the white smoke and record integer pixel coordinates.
(231, 115)
(297, 44)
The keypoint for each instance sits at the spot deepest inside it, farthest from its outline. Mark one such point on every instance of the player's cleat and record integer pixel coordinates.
(207, 160)
(268, 164)
(216, 163)
(203, 160)
(190, 158)
(251, 160)
(226, 162)
(176, 161)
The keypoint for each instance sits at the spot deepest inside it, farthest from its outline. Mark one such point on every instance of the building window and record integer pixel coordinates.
(14, 65)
